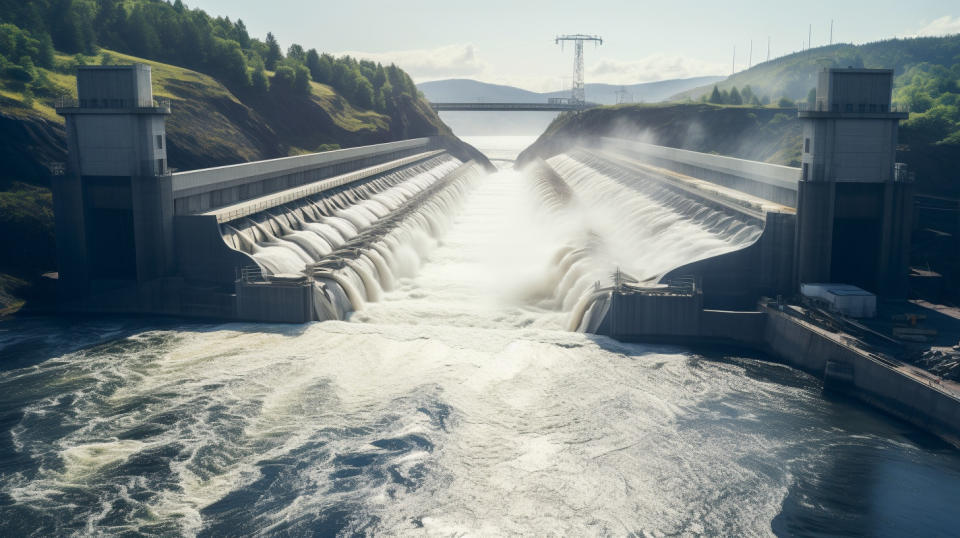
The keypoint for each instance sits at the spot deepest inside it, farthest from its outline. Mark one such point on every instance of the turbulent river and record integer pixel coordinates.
(458, 403)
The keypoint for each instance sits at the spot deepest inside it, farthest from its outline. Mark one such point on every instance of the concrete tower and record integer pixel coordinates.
(854, 200)
(114, 206)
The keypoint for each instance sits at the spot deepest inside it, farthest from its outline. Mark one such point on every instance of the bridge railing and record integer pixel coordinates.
(554, 106)
(67, 102)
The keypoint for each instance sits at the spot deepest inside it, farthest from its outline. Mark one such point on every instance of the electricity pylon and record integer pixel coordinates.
(578, 93)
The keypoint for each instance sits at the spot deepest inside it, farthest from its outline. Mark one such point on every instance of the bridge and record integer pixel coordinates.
(514, 107)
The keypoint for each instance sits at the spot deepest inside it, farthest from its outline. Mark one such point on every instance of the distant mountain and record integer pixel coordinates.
(647, 92)
(463, 90)
(473, 91)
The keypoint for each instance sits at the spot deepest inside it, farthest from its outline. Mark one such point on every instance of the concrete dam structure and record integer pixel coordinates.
(291, 239)
(843, 216)
(655, 244)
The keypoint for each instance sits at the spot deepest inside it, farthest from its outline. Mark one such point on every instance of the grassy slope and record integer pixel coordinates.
(761, 134)
(209, 126)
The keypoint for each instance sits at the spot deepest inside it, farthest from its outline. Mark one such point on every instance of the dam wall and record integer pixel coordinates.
(202, 253)
(770, 182)
(198, 191)
(135, 237)
(733, 280)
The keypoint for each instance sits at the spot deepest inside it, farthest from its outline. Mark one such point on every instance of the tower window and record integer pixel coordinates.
(159, 141)
(806, 171)
(849, 107)
(806, 145)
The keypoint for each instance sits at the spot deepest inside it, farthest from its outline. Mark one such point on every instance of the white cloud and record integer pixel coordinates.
(651, 68)
(465, 61)
(448, 61)
(945, 25)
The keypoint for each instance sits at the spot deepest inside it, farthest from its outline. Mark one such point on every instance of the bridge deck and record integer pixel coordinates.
(503, 107)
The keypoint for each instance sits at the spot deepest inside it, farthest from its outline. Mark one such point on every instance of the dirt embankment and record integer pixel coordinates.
(760, 134)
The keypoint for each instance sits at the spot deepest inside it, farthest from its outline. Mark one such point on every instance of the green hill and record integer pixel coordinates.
(794, 75)
(926, 81)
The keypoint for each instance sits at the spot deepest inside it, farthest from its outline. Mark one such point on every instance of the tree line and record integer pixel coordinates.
(746, 96)
(172, 33)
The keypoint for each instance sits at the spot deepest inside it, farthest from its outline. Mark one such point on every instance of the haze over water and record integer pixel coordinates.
(454, 405)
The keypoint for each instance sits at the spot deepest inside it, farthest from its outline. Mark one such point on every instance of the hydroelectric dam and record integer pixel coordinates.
(503, 352)
(649, 243)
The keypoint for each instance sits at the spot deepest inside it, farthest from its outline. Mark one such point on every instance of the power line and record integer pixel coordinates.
(578, 93)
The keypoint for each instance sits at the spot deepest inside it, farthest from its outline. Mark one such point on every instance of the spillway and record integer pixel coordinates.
(445, 395)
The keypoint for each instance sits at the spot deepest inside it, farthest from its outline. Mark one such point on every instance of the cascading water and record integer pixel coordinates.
(454, 405)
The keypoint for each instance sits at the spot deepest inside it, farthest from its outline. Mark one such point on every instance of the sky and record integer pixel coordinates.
(512, 42)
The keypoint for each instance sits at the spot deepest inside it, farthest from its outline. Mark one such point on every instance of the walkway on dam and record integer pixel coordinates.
(800, 316)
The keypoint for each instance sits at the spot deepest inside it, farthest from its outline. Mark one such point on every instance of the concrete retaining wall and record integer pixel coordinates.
(272, 302)
(872, 380)
(768, 181)
(765, 268)
(885, 384)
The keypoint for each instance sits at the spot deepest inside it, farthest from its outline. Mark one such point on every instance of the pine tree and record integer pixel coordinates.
(301, 82)
(313, 64)
(295, 52)
(259, 80)
(274, 54)
(364, 93)
(379, 78)
(715, 96)
(735, 98)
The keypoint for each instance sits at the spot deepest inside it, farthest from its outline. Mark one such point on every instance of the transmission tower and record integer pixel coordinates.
(578, 93)
(623, 96)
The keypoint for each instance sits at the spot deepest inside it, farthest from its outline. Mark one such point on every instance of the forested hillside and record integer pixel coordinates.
(234, 98)
(926, 71)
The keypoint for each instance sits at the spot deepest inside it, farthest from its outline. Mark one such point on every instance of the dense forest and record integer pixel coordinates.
(172, 33)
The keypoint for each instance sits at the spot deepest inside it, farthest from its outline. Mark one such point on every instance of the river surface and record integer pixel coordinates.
(452, 406)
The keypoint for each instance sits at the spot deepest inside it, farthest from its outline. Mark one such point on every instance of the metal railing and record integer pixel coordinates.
(853, 108)
(65, 101)
(250, 273)
(549, 106)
